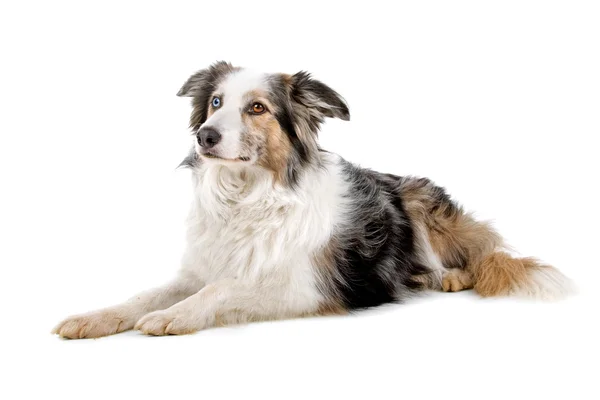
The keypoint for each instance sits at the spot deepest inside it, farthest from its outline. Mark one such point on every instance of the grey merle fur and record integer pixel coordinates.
(376, 260)
(200, 87)
(302, 105)
(375, 257)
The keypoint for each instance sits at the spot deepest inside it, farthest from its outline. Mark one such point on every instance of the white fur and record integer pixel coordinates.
(244, 227)
(250, 242)
(227, 119)
(544, 283)
(248, 256)
(428, 256)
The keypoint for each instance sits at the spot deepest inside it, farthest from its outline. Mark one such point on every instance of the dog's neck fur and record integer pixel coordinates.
(220, 190)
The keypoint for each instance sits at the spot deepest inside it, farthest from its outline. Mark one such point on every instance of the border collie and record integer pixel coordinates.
(280, 228)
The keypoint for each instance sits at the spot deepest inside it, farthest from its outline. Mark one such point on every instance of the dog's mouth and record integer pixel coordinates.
(208, 154)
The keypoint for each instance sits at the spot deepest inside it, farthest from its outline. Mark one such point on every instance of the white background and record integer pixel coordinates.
(497, 101)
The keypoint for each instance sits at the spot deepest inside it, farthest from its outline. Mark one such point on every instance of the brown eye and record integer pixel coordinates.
(258, 108)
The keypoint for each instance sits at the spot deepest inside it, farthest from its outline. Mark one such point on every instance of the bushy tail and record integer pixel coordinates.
(500, 274)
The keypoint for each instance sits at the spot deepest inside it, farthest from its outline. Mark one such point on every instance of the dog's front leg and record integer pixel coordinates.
(122, 317)
(227, 302)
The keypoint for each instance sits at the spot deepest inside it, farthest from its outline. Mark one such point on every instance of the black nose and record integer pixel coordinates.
(208, 137)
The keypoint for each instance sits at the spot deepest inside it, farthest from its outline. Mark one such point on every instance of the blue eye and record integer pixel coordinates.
(216, 102)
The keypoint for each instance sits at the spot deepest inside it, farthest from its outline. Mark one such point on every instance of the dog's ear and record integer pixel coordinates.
(317, 96)
(201, 86)
(205, 80)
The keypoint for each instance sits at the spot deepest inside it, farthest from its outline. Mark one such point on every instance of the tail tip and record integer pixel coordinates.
(545, 283)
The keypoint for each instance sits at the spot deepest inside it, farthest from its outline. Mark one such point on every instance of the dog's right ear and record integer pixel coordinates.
(200, 87)
(205, 80)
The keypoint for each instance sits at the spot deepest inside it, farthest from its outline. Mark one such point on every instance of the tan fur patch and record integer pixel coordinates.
(331, 309)
(471, 251)
(456, 280)
(277, 146)
(265, 133)
(498, 273)
(455, 236)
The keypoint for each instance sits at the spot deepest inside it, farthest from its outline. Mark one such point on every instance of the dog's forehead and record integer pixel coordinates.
(238, 83)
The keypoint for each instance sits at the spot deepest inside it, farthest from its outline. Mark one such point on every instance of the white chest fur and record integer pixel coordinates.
(243, 227)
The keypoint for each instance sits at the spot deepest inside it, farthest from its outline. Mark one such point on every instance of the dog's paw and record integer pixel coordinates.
(166, 322)
(456, 280)
(93, 325)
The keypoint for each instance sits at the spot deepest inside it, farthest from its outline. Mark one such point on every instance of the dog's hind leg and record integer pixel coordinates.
(448, 240)
(456, 279)
(471, 252)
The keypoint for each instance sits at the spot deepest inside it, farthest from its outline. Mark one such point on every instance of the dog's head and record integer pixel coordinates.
(241, 117)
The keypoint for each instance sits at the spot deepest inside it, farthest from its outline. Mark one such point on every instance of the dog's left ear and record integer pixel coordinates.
(317, 96)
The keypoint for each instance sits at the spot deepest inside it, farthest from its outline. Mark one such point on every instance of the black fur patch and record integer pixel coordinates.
(377, 261)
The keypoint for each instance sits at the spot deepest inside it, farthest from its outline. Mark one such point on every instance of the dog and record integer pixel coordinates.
(280, 228)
